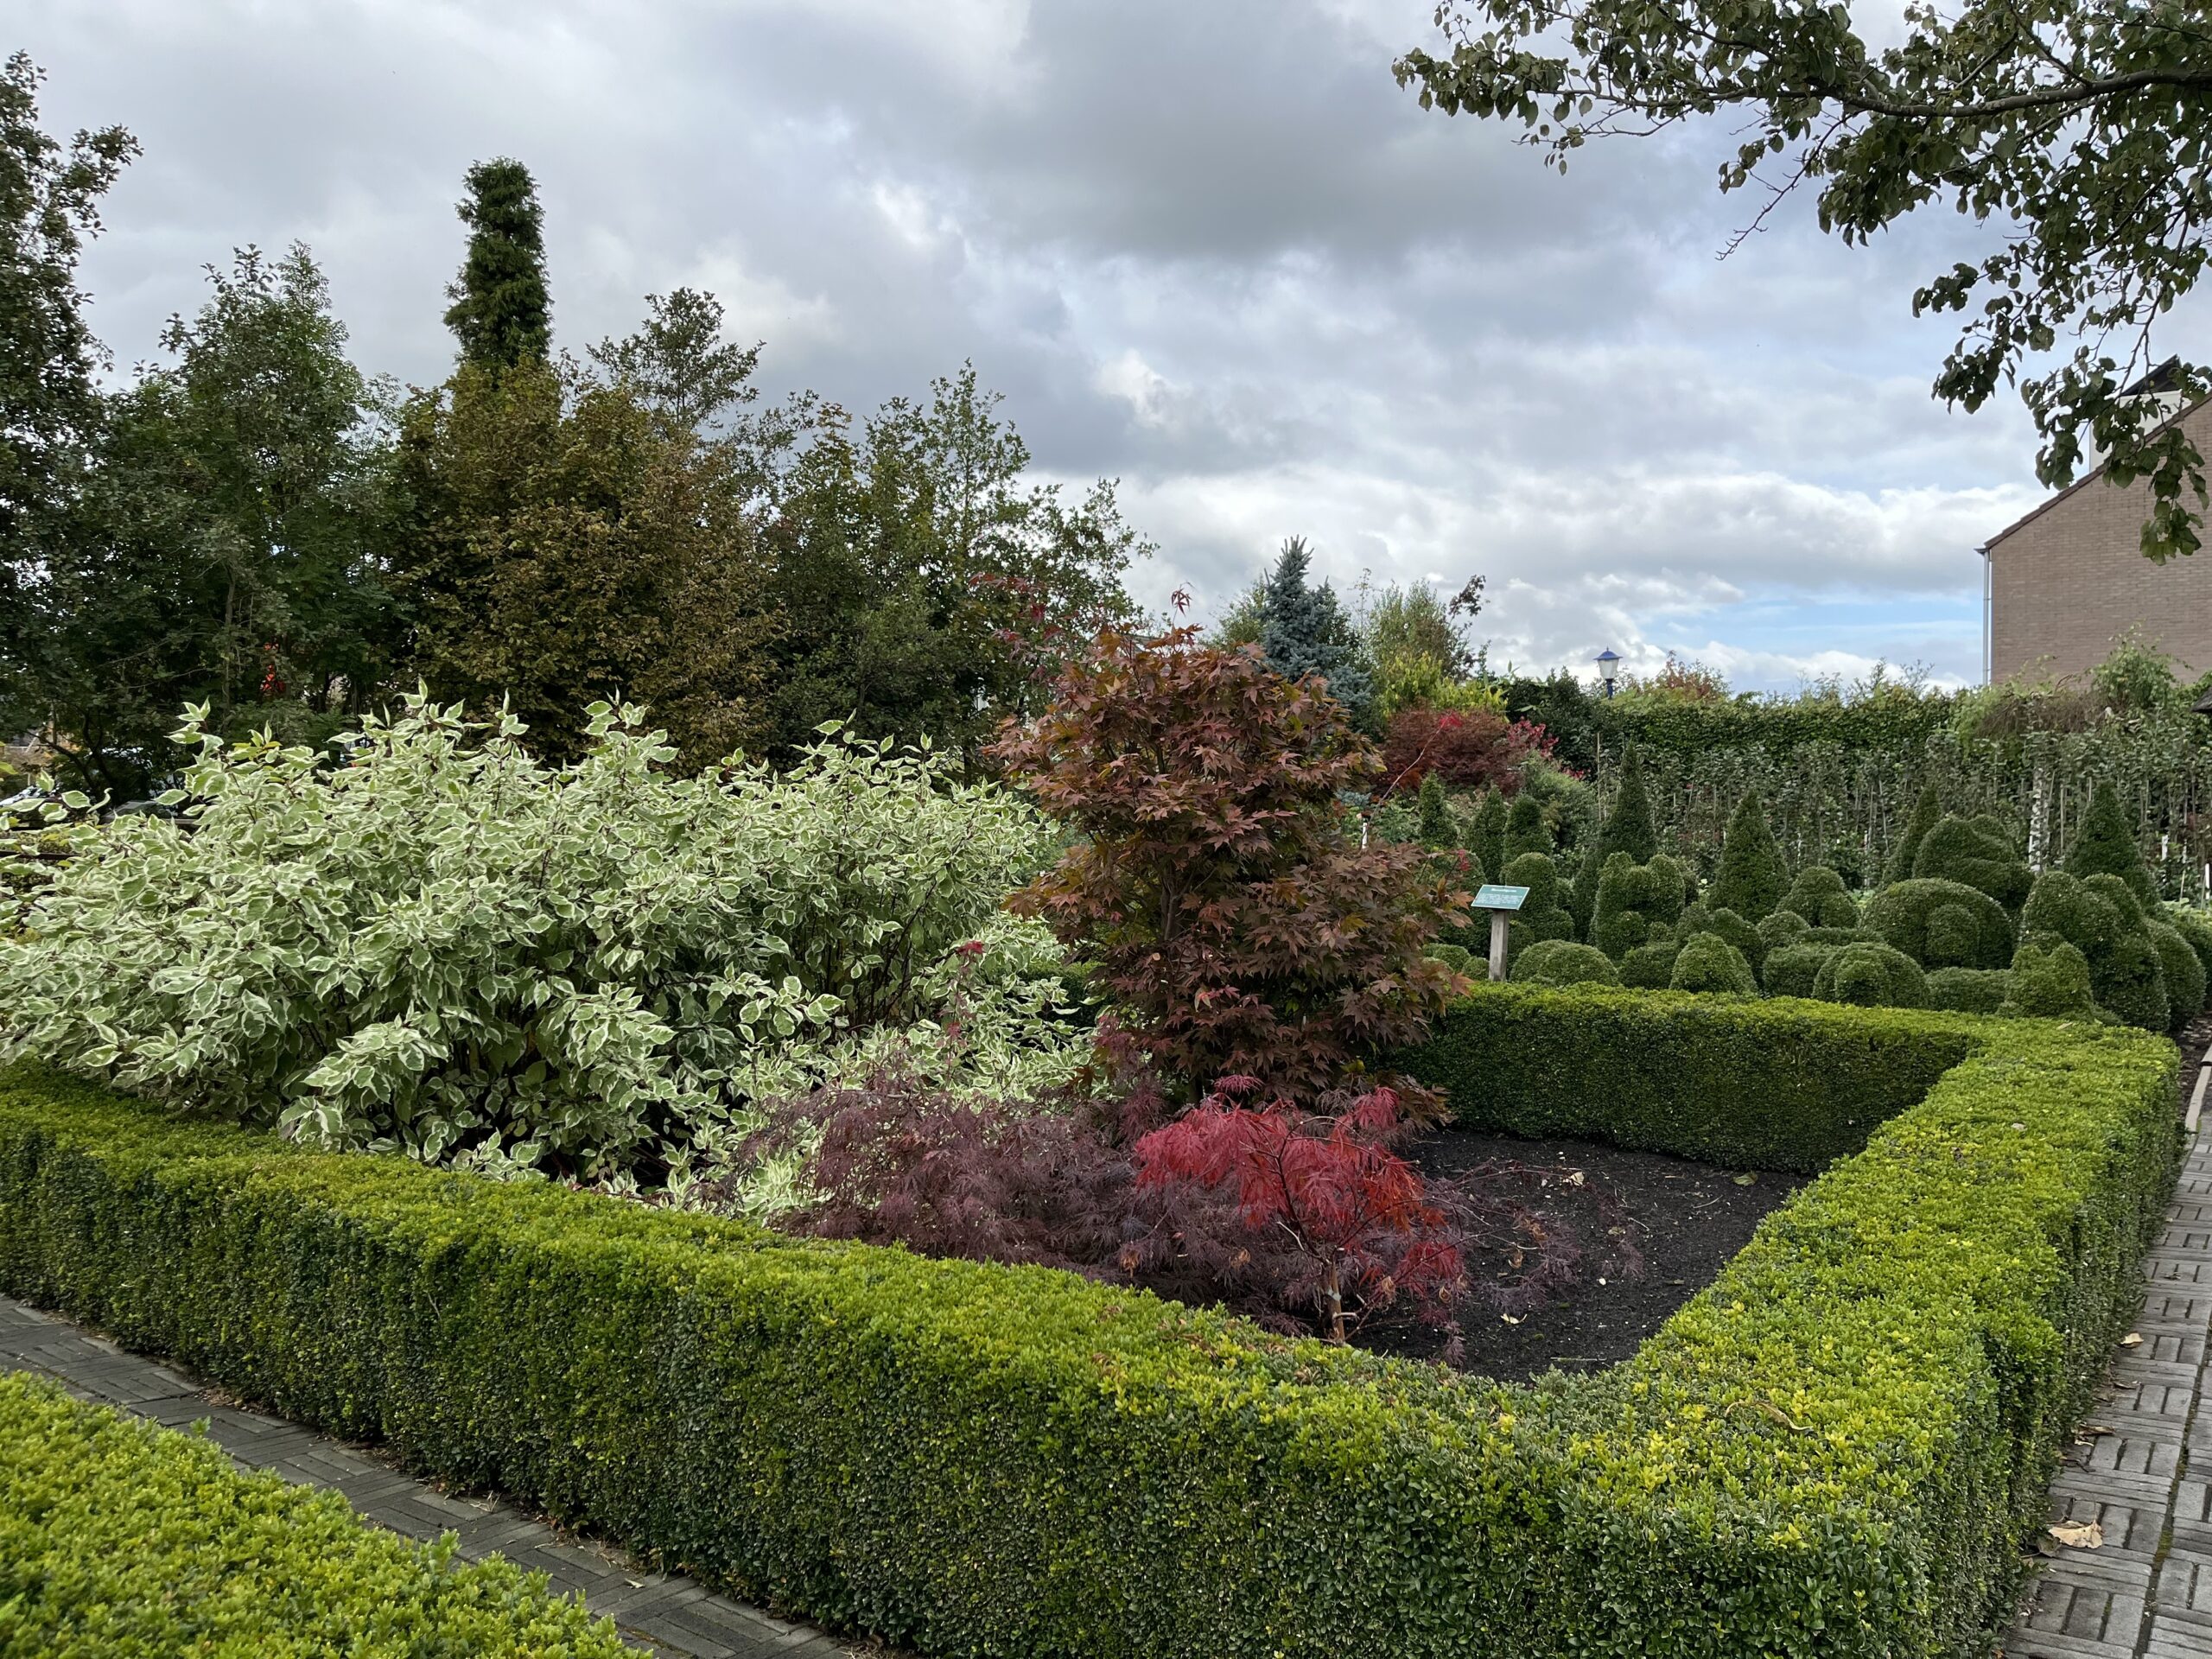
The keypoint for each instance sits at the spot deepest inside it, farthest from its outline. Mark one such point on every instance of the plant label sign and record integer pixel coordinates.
(1501, 902)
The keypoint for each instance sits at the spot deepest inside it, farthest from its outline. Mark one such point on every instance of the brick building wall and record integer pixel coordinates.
(2070, 579)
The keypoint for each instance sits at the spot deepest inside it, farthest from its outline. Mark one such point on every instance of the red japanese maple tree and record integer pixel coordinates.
(1467, 749)
(1236, 925)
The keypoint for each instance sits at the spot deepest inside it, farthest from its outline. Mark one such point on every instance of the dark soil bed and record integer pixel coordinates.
(1686, 1219)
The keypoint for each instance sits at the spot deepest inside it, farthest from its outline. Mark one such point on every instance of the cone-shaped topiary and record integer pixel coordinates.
(2106, 845)
(1819, 896)
(1637, 902)
(1979, 852)
(1543, 914)
(2050, 981)
(1487, 841)
(1791, 969)
(1783, 927)
(1708, 963)
(1751, 881)
(1525, 829)
(1562, 962)
(2102, 918)
(2183, 973)
(1926, 812)
(1873, 977)
(1437, 827)
(1941, 924)
(1650, 967)
(1628, 829)
(1969, 990)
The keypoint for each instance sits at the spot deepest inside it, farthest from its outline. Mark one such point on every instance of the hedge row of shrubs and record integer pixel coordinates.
(120, 1538)
(1835, 1450)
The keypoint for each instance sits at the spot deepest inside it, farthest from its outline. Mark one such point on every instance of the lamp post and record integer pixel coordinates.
(1608, 667)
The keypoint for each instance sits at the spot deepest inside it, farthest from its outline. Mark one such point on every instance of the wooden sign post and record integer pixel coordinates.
(1501, 902)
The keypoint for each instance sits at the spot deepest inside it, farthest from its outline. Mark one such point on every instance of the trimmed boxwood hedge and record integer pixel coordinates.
(1836, 1450)
(118, 1537)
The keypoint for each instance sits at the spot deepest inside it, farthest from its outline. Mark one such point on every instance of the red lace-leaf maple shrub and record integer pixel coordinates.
(1467, 748)
(1237, 928)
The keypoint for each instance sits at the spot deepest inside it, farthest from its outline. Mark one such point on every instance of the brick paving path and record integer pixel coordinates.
(2147, 1592)
(659, 1612)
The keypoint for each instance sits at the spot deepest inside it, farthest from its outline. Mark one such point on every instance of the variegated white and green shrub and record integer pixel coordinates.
(446, 947)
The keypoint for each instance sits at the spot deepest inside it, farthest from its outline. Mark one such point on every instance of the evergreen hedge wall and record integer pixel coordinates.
(1836, 1450)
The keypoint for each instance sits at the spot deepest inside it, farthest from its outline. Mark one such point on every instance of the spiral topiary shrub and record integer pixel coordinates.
(1871, 976)
(1562, 962)
(2049, 982)
(1979, 853)
(1637, 902)
(1941, 924)
(1708, 963)
(1969, 990)
(1819, 899)
(1792, 969)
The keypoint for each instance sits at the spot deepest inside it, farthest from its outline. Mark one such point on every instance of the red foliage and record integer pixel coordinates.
(1478, 747)
(1236, 927)
(1348, 1217)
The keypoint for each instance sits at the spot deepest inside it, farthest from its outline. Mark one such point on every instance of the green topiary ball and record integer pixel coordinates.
(1708, 963)
(1729, 925)
(1941, 924)
(1457, 958)
(1791, 969)
(1969, 990)
(1871, 976)
(2050, 981)
(1819, 899)
(1562, 962)
(1650, 967)
(2196, 927)
(1783, 927)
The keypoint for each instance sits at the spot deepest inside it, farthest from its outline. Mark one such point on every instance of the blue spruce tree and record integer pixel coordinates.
(1303, 630)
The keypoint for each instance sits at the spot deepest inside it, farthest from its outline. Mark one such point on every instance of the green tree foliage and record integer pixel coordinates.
(565, 544)
(1980, 852)
(1439, 828)
(1636, 903)
(2070, 130)
(1970, 990)
(2105, 845)
(228, 547)
(1486, 839)
(1416, 644)
(1871, 976)
(1709, 963)
(1562, 962)
(1525, 828)
(1304, 630)
(50, 407)
(1794, 970)
(1819, 899)
(2101, 918)
(450, 948)
(679, 365)
(501, 313)
(1543, 914)
(1941, 924)
(921, 581)
(1628, 828)
(2050, 981)
(1927, 813)
(1751, 881)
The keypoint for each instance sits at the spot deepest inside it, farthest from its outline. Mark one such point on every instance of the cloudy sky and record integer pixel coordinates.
(1205, 246)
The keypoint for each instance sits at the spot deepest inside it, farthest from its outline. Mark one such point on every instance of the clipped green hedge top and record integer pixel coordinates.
(1835, 1449)
(118, 1537)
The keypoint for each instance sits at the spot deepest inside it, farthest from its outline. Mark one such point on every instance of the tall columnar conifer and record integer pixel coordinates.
(1524, 829)
(501, 312)
(1487, 842)
(1926, 812)
(1629, 829)
(1750, 881)
(1438, 827)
